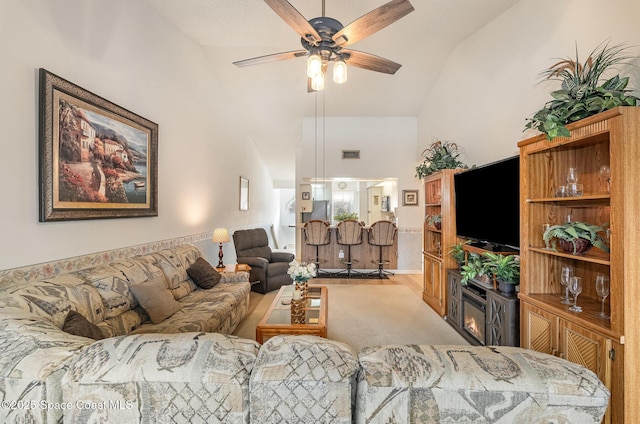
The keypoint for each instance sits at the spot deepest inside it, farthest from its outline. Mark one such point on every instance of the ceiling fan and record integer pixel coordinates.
(324, 40)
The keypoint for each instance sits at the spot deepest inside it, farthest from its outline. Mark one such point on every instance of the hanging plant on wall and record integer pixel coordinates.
(581, 95)
(440, 155)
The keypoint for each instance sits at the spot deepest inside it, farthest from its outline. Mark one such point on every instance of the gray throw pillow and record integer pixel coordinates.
(75, 323)
(156, 299)
(203, 274)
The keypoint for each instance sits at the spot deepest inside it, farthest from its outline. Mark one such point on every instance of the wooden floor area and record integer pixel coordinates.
(413, 281)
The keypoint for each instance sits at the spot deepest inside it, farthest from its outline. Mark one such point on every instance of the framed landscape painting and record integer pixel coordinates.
(97, 159)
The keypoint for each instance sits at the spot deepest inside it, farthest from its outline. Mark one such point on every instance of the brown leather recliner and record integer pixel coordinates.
(268, 269)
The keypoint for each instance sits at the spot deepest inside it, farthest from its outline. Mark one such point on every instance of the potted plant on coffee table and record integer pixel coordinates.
(506, 270)
(575, 237)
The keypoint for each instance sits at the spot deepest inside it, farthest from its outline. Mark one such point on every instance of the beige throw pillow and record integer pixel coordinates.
(156, 299)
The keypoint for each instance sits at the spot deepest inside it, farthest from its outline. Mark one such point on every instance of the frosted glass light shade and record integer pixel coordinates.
(314, 65)
(339, 71)
(317, 82)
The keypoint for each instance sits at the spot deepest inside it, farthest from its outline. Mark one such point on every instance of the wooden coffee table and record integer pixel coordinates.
(277, 319)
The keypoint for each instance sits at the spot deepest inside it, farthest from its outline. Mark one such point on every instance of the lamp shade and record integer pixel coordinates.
(220, 235)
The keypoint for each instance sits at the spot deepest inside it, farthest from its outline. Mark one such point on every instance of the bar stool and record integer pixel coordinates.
(317, 233)
(349, 234)
(381, 234)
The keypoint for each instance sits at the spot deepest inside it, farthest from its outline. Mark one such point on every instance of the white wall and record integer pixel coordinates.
(127, 54)
(387, 150)
(488, 86)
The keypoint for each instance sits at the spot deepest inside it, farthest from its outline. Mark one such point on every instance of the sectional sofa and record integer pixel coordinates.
(146, 339)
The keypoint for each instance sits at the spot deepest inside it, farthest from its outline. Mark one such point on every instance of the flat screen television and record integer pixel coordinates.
(488, 204)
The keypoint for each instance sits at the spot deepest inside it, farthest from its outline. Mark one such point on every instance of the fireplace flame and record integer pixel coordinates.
(472, 326)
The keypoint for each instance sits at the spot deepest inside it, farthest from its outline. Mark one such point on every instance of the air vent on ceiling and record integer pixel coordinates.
(351, 154)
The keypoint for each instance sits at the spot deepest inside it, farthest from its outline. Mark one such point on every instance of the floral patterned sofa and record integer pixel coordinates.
(35, 352)
(183, 368)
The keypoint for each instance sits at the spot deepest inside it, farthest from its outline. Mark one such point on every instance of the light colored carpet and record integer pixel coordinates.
(366, 315)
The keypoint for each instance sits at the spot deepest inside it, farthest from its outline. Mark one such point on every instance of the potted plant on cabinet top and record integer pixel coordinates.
(457, 252)
(439, 156)
(506, 270)
(575, 237)
(580, 95)
(475, 268)
(435, 221)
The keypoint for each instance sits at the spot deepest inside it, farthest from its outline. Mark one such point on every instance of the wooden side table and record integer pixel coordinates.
(234, 268)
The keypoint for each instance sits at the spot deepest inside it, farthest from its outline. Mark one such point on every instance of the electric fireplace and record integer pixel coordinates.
(474, 317)
(482, 315)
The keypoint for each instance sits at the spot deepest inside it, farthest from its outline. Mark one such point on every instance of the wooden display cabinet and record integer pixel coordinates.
(436, 242)
(611, 138)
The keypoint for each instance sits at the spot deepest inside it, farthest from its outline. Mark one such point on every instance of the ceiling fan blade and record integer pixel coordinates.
(373, 22)
(271, 58)
(294, 19)
(371, 62)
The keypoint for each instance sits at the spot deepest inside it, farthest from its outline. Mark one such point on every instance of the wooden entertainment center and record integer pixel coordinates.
(609, 347)
(439, 200)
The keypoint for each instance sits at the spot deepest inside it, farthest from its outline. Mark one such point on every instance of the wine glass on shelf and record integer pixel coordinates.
(602, 289)
(572, 175)
(565, 278)
(575, 287)
(605, 174)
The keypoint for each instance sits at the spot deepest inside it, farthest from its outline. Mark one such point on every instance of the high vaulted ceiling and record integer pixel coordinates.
(273, 96)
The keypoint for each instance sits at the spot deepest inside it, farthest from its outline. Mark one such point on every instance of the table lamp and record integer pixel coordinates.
(220, 235)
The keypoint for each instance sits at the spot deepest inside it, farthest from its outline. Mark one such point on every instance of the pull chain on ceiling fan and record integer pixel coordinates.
(324, 40)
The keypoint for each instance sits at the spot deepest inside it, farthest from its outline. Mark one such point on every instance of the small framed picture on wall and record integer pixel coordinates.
(409, 197)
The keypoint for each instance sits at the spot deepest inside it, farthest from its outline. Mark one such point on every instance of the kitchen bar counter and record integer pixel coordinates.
(364, 253)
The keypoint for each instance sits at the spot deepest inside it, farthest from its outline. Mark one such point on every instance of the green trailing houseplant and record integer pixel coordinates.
(476, 267)
(440, 155)
(435, 221)
(581, 94)
(505, 268)
(575, 237)
(457, 252)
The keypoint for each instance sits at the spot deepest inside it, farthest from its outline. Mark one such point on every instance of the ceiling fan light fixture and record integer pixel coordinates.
(339, 71)
(314, 65)
(317, 82)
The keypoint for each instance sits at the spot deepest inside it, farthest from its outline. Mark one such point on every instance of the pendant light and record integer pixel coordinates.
(317, 82)
(314, 64)
(339, 71)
